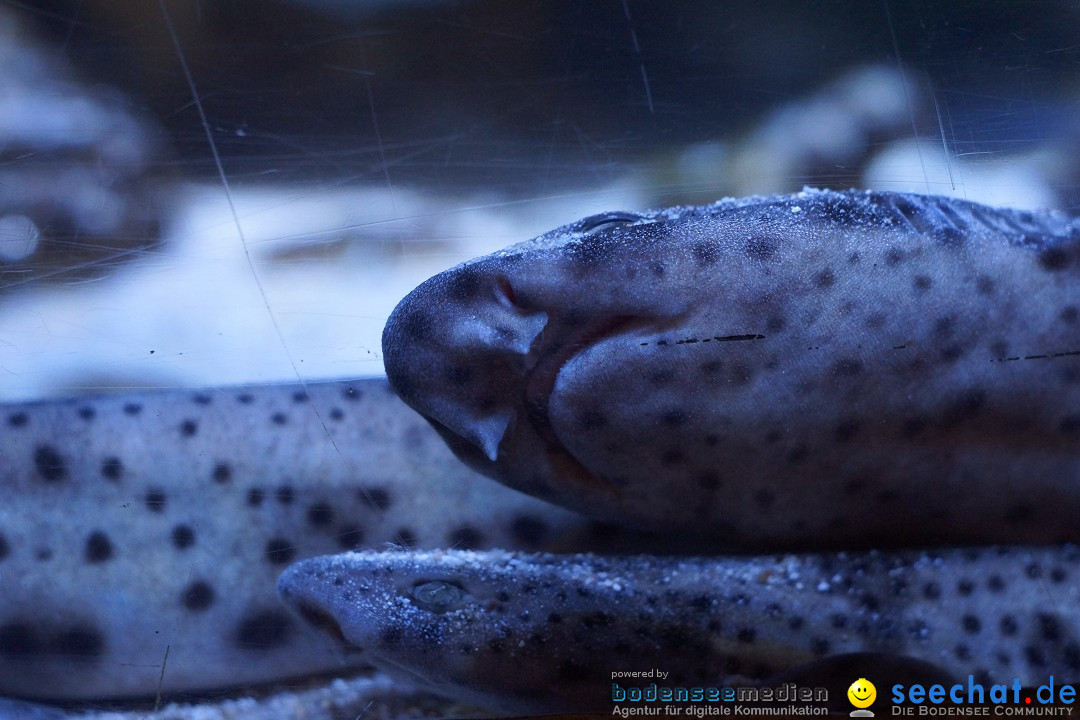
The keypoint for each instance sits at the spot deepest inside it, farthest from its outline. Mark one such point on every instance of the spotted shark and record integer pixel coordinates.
(549, 633)
(141, 536)
(818, 370)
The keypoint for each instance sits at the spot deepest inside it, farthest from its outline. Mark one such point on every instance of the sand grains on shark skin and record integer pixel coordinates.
(543, 633)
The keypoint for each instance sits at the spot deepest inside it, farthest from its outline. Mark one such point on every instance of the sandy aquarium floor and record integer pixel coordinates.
(203, 194)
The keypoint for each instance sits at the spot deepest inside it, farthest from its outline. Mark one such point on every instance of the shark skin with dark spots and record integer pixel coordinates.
(544, 633)
(149, 530)
(824, 370)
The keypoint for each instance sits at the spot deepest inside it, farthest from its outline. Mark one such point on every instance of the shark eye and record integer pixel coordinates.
(437, 595)
(599, 223)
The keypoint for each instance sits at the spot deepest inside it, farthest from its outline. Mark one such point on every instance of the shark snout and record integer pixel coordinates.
(458, 353)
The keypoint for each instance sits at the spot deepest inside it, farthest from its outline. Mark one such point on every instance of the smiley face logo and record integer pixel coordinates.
(862, 693)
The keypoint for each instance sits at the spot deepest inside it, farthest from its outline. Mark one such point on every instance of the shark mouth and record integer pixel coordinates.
(560, 348)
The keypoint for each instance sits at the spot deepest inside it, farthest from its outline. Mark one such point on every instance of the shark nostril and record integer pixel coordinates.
(506, 290)
(466, 450)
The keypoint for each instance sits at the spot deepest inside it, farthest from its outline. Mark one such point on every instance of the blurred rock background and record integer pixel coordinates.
(367, 145)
